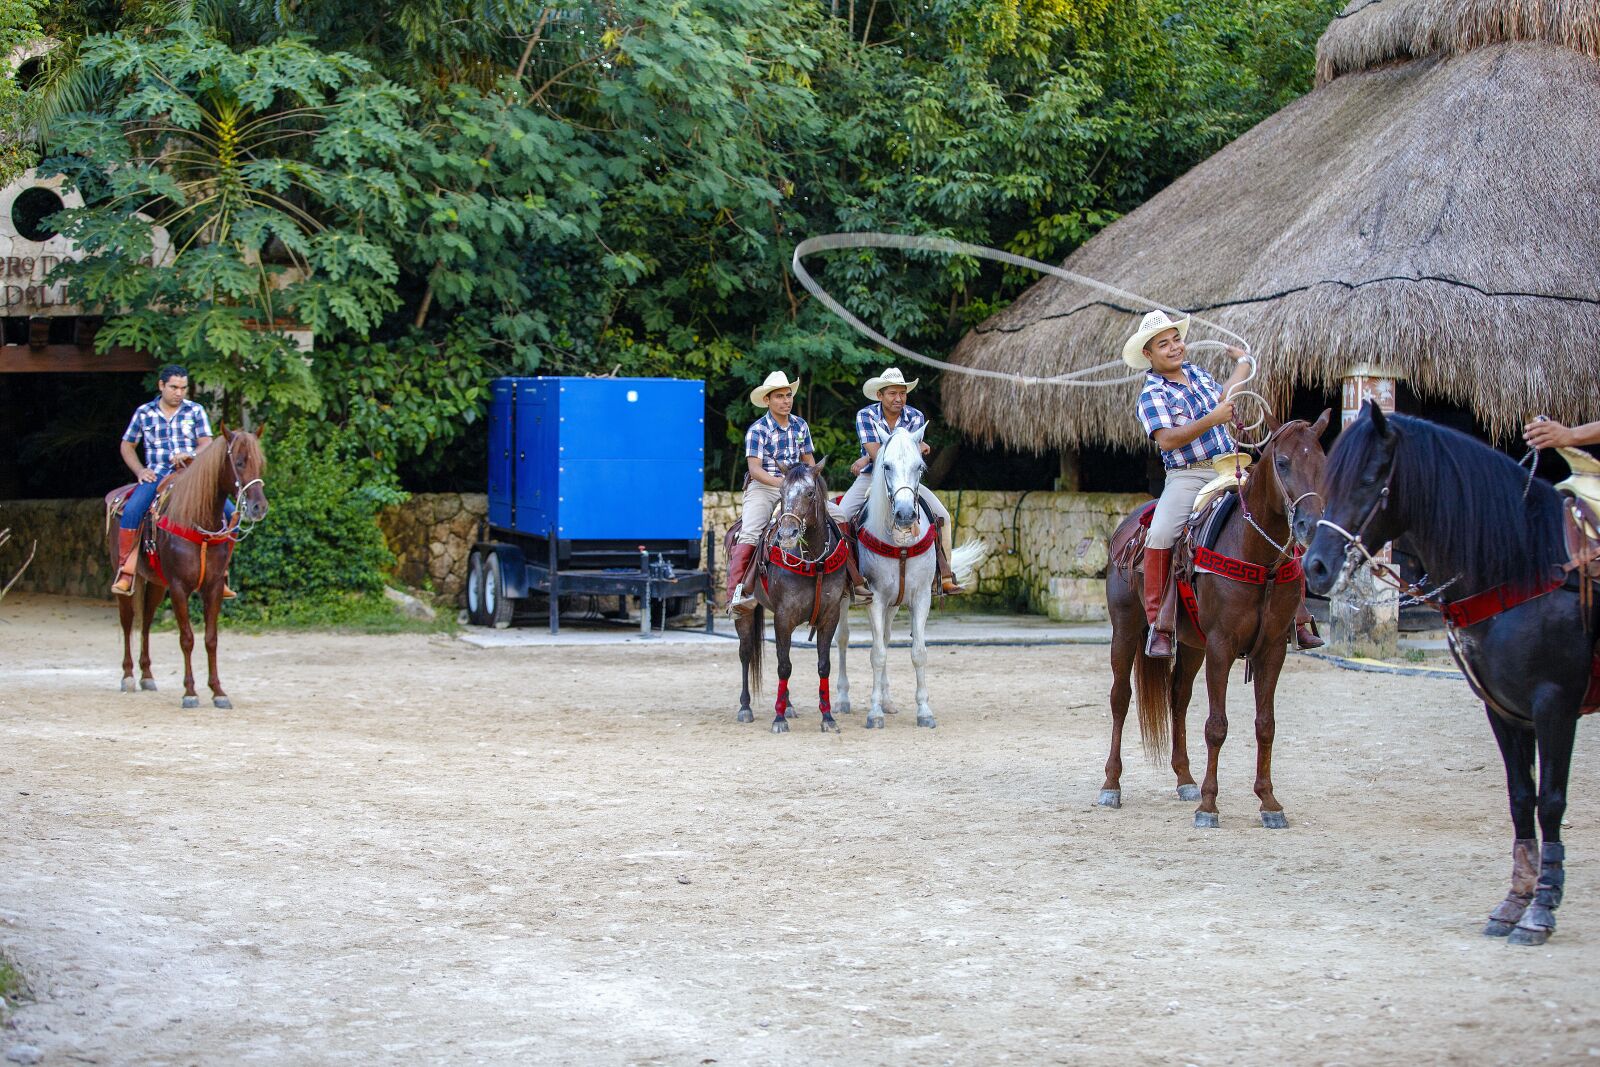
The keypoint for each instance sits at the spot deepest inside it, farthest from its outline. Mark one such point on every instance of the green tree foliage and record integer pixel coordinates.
(19, 28)
(449, 189)
(320, 542)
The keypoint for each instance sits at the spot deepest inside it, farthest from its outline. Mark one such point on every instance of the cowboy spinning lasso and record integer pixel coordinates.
(874, 423)
(172, 428)
(1186, 413)
(772, 444)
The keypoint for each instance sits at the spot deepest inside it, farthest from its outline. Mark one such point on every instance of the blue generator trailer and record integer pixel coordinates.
(595, 498)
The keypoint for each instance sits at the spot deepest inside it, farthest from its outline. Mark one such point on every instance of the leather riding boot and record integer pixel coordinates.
(1157, 569)
(739, 601)
(860, 592)
(1305, 627)
(127, 561)
(947, 576)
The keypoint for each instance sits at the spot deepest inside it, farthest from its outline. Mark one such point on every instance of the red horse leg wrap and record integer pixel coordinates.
(822, 697)
(783, 696)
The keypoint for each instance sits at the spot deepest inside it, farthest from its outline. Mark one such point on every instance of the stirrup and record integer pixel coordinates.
(1306, 637)
(949, 586)
(117, 582)
(741, 603)
(861, 594)
(1168, 652)
(228, 594)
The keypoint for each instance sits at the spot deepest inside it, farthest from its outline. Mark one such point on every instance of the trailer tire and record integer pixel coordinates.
(497, 607)
(476, 616)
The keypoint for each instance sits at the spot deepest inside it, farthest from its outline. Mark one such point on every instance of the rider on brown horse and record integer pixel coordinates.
(1186, 413)
(874, 423)
(772, 444)
(172, 429)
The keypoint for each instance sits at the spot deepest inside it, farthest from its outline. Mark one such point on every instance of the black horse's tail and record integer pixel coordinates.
(758, 631)
(1153, 687)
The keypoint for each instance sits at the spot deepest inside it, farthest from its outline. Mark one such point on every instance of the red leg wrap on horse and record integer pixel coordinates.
(783, 696)
(822, 697)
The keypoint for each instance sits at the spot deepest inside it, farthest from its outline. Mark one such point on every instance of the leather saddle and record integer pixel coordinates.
(117, 499)
(1203, 528)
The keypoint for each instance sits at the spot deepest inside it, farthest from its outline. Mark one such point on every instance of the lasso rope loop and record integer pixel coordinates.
(1085, 378)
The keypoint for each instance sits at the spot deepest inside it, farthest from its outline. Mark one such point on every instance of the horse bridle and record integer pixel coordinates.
(232, 530)
(1289, 506)
(822, 514)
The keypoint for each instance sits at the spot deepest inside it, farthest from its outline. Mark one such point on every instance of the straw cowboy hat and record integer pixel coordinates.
(1154, 323)
(776, 380)
(892, 376)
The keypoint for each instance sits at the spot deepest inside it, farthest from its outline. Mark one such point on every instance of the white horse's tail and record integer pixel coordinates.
(966, 559)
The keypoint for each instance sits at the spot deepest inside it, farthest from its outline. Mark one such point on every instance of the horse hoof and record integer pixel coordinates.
(1206, 820)
(130, 686)
(1189, 792)
(222, 702)
(1496, 928)
(1109, 798)
(874, 723)
(746, 715)
(191, 702)
(1274, 820)
(926, 720)
(780, 726)
(147, 684)
(828, 724)
(1531, 936)
(842, 708)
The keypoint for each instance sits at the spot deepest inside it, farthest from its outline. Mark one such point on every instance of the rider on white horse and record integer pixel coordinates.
(772, 444)
(1186, 414)
(874, 423)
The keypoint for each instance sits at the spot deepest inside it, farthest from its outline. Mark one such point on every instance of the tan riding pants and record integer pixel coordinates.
(1177, 501)
(856, 496)
(760, 502)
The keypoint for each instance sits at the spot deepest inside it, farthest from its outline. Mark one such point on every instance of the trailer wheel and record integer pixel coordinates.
(475, 613)
(497, 607)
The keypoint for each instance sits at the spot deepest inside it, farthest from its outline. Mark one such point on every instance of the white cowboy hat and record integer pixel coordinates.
(1154, 323)
(892, 376)
(776, 380)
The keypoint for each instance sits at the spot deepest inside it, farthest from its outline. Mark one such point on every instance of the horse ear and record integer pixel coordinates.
(1321, 424)
(261, 432)
(819, 464)
(1272, 421)
(1379, 421)
(916, 435)
(222, 431)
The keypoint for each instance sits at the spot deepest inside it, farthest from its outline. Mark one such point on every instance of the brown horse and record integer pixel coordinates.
(192, 547)
(806, 582)
(1238, 617)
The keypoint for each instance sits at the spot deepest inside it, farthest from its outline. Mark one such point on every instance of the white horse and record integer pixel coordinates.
(894, 520)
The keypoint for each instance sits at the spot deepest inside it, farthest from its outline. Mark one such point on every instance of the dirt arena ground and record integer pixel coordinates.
(406, 850)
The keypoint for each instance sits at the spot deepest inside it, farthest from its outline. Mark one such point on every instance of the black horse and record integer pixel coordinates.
(1480, 525)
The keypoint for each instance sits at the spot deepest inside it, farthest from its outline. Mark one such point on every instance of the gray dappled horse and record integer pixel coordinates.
(899, 561)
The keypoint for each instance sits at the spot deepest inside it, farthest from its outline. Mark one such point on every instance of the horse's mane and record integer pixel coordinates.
(1464, 501)
(192, 500)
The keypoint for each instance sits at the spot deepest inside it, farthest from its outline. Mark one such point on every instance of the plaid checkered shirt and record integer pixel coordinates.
(163, 437)
(777, 446)
(1166, 405)
(870, 422)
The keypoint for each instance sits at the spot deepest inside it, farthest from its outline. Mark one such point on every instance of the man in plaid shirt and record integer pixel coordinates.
(873, 424)
(173, 428)
(1186, 413)
(773, 443)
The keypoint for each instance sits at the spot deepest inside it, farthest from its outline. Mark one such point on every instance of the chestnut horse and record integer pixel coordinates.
(1278, 507)
(192, 549)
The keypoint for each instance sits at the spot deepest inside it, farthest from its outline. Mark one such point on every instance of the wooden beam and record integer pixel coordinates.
(70, 359)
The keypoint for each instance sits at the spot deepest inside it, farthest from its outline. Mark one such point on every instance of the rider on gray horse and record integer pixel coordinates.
(873, 424)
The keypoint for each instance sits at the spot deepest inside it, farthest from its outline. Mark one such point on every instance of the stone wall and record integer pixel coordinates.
(1047, 550)
(72, 556)
(430, 536)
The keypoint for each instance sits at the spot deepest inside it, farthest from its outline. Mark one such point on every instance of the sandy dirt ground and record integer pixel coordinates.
(406, 850)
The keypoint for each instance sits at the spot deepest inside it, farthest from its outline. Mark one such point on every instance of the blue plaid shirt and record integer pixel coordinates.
(163, 437)
(778, 447)
(870, 422)
(1165, 405)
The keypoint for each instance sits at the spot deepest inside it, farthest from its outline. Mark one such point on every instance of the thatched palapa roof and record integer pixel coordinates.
(1431, 207)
